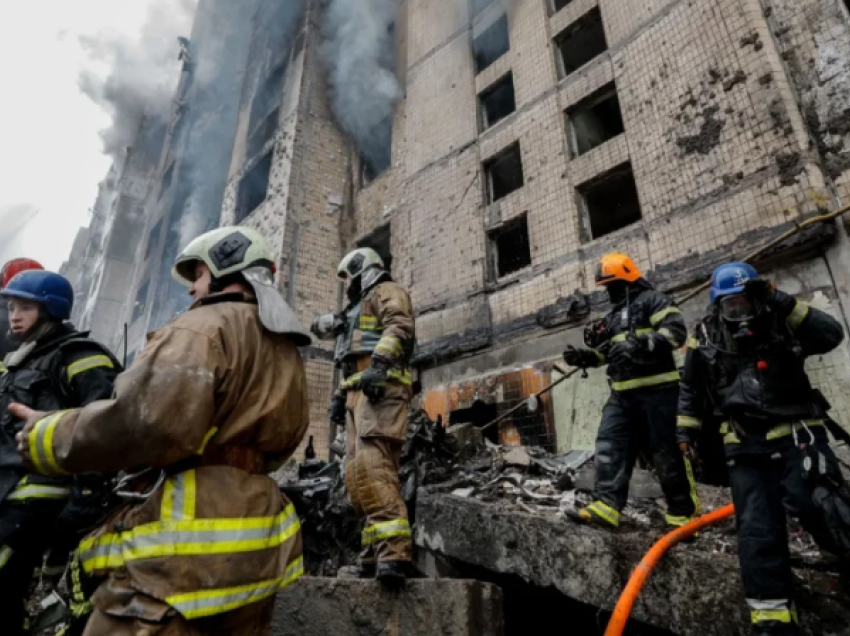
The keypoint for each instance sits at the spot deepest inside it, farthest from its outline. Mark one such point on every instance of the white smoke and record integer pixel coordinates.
(130, 77)
(14, 219)
(360, 54)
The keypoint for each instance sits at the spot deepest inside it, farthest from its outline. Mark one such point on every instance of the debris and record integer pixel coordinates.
(517, 456)
(465, 440)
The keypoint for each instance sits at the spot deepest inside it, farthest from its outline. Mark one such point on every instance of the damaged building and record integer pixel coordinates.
(491, 152)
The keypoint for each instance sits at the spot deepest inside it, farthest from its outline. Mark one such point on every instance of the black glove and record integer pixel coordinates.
(373, 381)
(761, 290)
(581, 358)
(336, 409)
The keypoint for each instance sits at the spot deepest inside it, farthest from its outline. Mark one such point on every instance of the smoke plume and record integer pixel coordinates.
(14, 219)
(360, 54)
(141, 73)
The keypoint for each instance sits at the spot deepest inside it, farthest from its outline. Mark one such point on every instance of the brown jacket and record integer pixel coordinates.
(227, 399)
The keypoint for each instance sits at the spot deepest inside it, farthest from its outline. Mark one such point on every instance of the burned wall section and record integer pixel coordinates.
(717, 146)
(308, 181)
(813, 37)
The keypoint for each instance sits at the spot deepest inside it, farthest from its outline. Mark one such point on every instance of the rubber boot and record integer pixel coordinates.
(392, 573)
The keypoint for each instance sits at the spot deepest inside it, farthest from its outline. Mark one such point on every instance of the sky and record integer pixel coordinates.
(51, 156)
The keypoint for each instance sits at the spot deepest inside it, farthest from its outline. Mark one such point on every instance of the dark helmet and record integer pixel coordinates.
(15, 267)
(51, 290)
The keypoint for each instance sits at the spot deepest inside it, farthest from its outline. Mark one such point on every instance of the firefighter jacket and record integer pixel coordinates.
(758, 388)
(216, 401)
(380, 325)
(6, 345)
(649, 313)
(64, 370)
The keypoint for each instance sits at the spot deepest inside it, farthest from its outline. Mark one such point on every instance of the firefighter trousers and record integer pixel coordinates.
(375, 436)
(25, 531)
(252, 620)
(764, 489)
(633, 420)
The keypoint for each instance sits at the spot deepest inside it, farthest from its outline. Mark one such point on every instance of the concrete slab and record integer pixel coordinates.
(694, 591)
(426, 607)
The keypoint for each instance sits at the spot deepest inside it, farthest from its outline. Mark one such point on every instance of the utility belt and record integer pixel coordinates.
(734, 432)
(142, 485)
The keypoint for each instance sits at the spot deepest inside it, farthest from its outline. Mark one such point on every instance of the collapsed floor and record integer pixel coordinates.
(497, 515)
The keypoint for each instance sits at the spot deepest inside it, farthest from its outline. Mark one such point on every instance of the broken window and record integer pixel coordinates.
(264, 133)
(141, 302)
(595, 120)
(611, 201)
(504, 173)
(379, 240)
(376, 159)
(511, 246)
(581, 42)
(153, 239)
(498, 101)
(491, 44)
(254, 187)
(166, 180)
(557, 5)
(479, 415)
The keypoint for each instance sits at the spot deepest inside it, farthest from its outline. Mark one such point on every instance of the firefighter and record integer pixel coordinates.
(55, 367)
(214, 401)
(10, 269)
(375, 337)
(746, 365)
(636, 340)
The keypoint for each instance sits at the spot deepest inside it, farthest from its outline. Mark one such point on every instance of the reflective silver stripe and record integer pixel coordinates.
(210, 602)
(686, 421)
(38, 492)
(769, 604)
(668, 335)
(178, 497)
(5, 554)
(622, 337)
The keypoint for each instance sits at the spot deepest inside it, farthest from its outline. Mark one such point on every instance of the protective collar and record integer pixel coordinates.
(275, 314)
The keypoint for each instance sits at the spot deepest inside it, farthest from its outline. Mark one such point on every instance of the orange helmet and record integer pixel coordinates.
(616, 267)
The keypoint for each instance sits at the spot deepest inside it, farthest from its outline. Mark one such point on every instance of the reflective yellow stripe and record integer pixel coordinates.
(5, 554)
(778, 615)
(2, 368)
(686, 421)
(668, 335)
(796, 317)
(606, 512)
(38, 492)
(385, 530)
(210, 434)
(689, 471)
(657, 317)
(693, 343)
(678, 522)
(390, 345)
(87, 364)
(178, 497)
(40, 442)
(783, 430)
(210, 602)
(191, 537)
(622, 337)
(601, 356)
(367, 322)
(638, 383)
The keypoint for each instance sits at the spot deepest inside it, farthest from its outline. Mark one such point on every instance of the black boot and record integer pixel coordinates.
(392, 573)
(366, 570)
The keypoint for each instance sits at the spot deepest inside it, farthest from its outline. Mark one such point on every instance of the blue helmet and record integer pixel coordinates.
(54, 291)
(728, 280)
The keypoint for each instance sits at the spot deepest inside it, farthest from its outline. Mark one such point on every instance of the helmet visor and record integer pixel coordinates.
(737, 308)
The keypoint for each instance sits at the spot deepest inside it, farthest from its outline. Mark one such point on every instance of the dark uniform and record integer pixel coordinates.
(64, 370)
(760, 389)
(642, 407)
(6, 345)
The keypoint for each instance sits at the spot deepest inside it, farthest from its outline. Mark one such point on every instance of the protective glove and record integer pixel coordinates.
(761, 290)
(373, 381)
(581, 358)
(336, 409)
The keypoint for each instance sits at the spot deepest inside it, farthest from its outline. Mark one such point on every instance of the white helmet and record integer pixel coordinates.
(226, 250)
(357, 262)
(241, 250)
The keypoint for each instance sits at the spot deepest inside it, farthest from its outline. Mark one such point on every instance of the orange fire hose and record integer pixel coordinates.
(624, 606)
